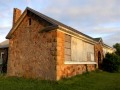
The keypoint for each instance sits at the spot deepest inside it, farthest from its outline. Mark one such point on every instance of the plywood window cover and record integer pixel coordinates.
(90, 61)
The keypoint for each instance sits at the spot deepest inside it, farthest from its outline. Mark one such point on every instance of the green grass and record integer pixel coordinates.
(90, 81)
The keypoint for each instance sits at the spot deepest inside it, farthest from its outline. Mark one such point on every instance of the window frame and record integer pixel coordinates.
(92, 56)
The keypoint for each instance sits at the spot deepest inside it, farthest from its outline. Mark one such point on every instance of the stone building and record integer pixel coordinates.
(4, 56)
(41, 47)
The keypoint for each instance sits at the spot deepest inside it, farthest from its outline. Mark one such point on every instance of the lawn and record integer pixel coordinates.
(97, 80)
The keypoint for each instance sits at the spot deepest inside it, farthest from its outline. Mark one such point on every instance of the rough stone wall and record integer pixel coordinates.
(16, 15)
(32, 54)
(3, 67)
(98, 48)
(68, 70)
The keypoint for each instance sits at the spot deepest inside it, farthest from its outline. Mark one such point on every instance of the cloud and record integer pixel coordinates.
(112, 39)
(102, 30)
(89, 16)
(97, 18)
(97, 10)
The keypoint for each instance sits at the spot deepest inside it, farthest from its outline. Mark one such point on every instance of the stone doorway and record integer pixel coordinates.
(99, 60)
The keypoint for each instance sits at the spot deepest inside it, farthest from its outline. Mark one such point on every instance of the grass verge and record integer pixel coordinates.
(98, 80)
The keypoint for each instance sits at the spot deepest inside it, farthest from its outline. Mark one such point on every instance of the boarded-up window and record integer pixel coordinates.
(81, 51)
(67, 47)
(89, 51)
(90, 56)
(77, 50)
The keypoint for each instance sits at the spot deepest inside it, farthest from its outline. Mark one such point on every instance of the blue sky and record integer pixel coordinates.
(96, 18)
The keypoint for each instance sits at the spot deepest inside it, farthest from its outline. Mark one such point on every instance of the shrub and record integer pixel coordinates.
(111, 63)
(117, 47)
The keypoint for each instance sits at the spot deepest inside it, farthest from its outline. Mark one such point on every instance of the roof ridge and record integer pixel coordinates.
(53, 21)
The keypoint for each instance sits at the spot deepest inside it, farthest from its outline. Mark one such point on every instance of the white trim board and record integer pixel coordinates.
(72, 62)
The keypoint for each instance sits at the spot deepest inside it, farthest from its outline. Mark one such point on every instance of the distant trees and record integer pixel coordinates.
(111, 63)
(117, 47)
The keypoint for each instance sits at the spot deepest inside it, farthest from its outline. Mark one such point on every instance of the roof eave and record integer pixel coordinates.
(16, 25)
(77, 34)
(105, 45)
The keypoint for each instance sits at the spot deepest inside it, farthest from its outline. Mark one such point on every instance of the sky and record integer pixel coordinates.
(96, 18)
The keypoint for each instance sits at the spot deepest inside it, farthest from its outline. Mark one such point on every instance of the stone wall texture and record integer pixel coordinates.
(32, 54)
(35, 54)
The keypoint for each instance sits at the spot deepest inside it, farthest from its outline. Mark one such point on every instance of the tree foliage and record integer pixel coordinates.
(117, 47)
(111, 63)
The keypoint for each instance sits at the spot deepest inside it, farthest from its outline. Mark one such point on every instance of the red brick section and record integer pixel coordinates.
(32, 54)
(16, 15)
(68, 70)
(98, 48)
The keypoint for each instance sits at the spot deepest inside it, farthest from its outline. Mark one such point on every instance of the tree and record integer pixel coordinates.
(117, 47)
(111, 63)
